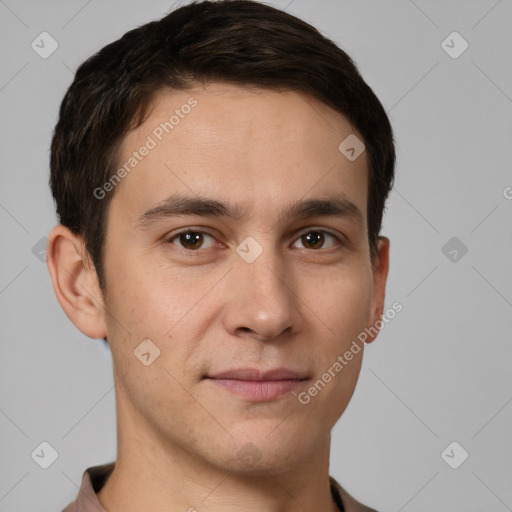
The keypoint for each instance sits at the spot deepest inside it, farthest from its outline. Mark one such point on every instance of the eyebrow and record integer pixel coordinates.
(179, 205)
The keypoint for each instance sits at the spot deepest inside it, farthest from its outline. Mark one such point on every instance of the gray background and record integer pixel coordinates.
(438, 373)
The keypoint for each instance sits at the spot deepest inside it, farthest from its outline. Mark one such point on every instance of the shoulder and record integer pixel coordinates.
(93, 480)
(350, 504)
(71, 507)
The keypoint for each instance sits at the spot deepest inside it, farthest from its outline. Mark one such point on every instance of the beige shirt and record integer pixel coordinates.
(95, 477)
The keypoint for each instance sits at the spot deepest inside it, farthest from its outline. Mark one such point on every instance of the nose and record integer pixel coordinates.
(262, 303)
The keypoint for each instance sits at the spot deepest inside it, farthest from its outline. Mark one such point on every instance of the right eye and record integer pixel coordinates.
(190, 239)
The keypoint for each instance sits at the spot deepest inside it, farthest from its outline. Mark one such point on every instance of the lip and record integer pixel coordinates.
(255, 374)
(256, 385)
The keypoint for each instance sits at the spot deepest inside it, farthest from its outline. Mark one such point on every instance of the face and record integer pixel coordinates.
(248, 301)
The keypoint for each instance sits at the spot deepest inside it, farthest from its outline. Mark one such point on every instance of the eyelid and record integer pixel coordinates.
(189, 229)
(338, 236)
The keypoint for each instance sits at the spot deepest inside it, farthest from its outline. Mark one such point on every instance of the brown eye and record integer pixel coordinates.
(190, 240)
(315, 239)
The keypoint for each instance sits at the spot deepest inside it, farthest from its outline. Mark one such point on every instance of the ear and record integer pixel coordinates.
(380, 275)
(75, 281)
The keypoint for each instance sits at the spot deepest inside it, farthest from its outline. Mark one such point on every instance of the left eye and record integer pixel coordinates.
(316, 237)
(193, 240)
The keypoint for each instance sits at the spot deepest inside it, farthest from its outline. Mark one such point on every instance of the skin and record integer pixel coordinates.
(298, 305)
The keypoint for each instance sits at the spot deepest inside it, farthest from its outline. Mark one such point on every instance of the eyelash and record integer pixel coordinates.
(200, 231)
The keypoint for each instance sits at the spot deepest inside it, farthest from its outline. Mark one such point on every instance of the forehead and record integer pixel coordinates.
(251, 146)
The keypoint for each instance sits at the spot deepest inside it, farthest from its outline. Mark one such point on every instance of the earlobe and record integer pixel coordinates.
(380, 275)
(75, 282)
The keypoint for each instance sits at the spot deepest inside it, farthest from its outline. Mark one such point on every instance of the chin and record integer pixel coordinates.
(257, 452)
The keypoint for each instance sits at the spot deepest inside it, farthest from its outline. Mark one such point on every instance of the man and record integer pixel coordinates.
(220, 177)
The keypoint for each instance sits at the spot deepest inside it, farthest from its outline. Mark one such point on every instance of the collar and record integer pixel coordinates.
(95, 477)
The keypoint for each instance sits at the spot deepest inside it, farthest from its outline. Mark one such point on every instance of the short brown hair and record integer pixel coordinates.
(242, 42)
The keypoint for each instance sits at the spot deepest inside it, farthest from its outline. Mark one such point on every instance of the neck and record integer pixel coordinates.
(152, 473)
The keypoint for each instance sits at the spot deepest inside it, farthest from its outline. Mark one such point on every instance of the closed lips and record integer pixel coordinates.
(251, 374)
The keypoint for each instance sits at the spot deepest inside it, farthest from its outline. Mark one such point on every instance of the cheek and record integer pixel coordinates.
(141, 307)
(344, 305)
(140, 297)
(150, 303)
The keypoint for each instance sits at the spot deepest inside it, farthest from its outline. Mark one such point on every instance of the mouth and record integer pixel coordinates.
(256, 385)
